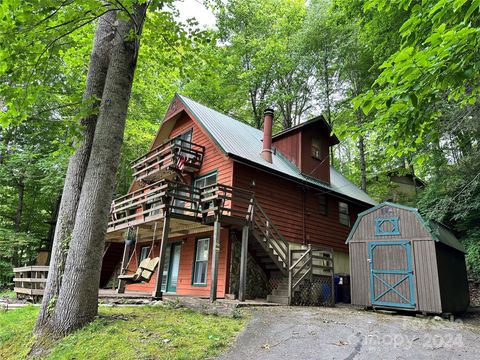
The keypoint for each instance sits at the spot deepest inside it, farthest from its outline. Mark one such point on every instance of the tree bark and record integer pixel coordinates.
(16, 257)
(77, 302)
(363, 167)
(78, 163)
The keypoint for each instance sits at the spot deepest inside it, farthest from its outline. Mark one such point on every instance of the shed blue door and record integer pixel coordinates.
(391, 275)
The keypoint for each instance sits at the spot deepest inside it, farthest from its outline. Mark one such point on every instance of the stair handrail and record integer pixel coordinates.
(292, 283)
(271, 236)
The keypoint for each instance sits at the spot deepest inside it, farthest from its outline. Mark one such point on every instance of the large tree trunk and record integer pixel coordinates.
(78, 163)
(363, 166)
(77, 302)
(16, 255)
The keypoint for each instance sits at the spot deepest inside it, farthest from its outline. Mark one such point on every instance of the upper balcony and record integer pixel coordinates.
(167, 160)
(183, 202)
(148, 204)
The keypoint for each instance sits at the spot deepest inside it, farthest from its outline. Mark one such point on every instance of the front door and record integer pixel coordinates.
(391, 275)
(174, 266)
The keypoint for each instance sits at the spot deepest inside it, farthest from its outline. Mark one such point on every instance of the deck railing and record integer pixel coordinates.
(30, 280)
(234, 202)
(165, 160)
(150, 202)
(315, 265)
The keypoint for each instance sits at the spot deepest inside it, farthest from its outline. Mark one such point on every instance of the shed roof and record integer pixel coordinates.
(243, 142)
(438, 231)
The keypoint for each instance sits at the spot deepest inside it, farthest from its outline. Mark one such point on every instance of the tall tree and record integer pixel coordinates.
(77, 302)
(97, 73)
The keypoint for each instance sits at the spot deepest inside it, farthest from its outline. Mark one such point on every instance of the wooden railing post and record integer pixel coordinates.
(157, 293)
(290, 280)
(243, 264)
(215, 253)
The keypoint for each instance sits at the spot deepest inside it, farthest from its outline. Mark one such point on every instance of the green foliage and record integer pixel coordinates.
(7, 294)
(127, 333)
(437, 61)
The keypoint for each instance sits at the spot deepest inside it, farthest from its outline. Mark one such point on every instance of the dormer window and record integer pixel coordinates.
(316, 148)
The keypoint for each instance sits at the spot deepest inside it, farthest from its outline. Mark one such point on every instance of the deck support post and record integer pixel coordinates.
(157, 293)
(290, 280)
(215, 254)
(126, 254)
(243, 264)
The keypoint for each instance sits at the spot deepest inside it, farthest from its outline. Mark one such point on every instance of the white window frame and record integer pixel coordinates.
(144, 251)
(196, 261)
(343, 216)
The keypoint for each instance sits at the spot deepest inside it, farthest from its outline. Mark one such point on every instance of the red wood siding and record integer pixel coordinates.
(214, 158)
(319, 169)
(282, 200)
(289, 146)
(185, 273)
(296, 146)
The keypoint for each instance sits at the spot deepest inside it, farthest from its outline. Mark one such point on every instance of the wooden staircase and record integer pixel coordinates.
(293, 268)
(269, 238)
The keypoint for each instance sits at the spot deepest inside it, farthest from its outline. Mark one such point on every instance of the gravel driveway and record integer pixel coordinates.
(348, 333)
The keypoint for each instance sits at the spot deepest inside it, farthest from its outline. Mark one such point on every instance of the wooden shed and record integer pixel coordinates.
(398, 260)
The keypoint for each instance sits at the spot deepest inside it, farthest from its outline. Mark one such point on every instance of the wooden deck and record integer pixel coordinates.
(30, 280)
(167, 160)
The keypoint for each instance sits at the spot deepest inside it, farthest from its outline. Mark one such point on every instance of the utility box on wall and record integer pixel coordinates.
(400, 261)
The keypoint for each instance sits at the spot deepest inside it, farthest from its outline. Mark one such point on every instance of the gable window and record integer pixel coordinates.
(201, 262)
(316, 148)
(343, 213)
(184, 141)
(322, 201)
(186, 136)
(143, 253)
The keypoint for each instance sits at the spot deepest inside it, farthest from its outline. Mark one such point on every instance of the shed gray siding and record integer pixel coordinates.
(360, 274)
(427, 295)
(409, 225)
(438, 263)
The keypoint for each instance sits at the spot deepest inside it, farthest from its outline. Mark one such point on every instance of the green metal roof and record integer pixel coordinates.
(438, 231)
(241, 141)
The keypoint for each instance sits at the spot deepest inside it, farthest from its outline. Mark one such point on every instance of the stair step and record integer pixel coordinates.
(280, 292)
(278, 299)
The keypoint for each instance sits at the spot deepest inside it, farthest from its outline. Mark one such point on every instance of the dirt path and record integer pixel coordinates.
(347, 333)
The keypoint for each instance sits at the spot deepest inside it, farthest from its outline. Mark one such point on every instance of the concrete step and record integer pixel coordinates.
(280, 292)
(278, 299)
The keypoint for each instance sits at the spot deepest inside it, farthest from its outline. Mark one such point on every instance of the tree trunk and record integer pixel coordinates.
(19, 212)
(16, 257)
(363, 167)
(78, 163)
(77, 302)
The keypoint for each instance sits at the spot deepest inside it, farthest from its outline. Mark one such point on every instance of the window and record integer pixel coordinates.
(143, 253)
(343, 214)
(186, 136)
(185, 144)
(322, 201)
(316, 148)
(386, 226)
(206, 180)
(201, 262)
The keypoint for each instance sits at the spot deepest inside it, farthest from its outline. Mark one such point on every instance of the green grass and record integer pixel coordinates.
(126, 333)
(10, 294)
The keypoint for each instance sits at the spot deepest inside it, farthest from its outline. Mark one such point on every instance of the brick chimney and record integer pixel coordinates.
(267, 134)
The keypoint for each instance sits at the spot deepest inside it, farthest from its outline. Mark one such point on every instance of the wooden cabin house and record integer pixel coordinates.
(400, 261)
(230, 209)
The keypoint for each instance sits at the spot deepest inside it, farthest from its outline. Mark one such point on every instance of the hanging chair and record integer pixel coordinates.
(147, 266)
(144, 272)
